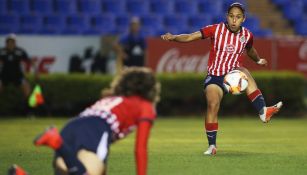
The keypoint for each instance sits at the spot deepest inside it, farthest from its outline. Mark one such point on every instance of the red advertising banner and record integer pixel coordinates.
(265, 50)
(166, 56)
(292, 54)
(281, 53)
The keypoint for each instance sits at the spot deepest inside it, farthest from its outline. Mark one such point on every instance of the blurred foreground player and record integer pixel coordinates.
(228, 42)
(83, 145)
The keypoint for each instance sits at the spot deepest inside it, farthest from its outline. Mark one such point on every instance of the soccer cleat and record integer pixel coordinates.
(50, 137)
(16, 170)
(211, 150)
(270, 111)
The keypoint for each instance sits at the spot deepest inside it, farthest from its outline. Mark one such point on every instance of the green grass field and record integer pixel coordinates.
(245, 146)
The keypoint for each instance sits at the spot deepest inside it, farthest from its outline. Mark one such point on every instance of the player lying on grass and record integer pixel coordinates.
(228, 42)
(83, 145)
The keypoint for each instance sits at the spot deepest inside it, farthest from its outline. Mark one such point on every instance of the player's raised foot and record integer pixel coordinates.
(211, 150)
(270, 111)
(16, 170)
(50, 137)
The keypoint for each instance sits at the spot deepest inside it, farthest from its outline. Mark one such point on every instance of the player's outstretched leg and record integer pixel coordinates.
(268, 112)
(265, 113)
(16, 170)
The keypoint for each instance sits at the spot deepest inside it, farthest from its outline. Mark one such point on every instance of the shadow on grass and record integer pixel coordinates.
(240, 154)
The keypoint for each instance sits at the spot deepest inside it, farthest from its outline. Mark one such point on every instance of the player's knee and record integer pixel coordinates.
(213, 105)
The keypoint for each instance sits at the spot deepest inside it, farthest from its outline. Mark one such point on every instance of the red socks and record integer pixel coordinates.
(211, 131)
(257, 100)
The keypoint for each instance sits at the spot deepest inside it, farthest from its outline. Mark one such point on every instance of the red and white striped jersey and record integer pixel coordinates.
(122, 112)
(226, 48)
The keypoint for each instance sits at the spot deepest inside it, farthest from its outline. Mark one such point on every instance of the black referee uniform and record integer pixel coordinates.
(11, 68)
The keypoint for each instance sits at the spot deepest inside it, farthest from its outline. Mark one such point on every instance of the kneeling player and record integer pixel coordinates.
(82, 146)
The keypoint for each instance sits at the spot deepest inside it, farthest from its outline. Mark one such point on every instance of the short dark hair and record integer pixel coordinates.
(237, 4)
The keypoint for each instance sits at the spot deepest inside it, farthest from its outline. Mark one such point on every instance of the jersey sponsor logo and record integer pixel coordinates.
(230, 48)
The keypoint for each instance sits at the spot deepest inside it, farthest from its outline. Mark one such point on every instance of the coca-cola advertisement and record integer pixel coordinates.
(281, 53)
(177, 57)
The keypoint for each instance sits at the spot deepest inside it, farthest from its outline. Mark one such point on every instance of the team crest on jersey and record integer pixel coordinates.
(242, 39)
(230, 48)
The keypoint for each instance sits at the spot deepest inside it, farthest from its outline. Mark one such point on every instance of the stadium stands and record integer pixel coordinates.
(41, 7)
(114, 7)
(90, 6)
(150, 20)
(185, 7)
(9, 23)
(65, 7)
(252, 23)
(213, 8)
(76, 24)
(19, 7)
(111, 16)
(30, 24)
(122, 22)
(301, 27)
(295, 11)
(137, 7)
(3, 7)
(175, 21)
(161, 7)
(101, 24)
(52, 24)
(194, 23)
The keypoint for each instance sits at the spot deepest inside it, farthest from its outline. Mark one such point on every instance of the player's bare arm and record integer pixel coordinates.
(182, 37)
(253, 54)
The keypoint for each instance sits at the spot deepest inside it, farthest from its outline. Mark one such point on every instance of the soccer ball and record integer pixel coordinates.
(235, 82)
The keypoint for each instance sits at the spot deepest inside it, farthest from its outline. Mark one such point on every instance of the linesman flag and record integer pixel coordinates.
(36, 98)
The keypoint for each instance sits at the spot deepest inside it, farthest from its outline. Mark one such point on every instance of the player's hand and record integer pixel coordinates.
(262, 62)
(168, 37)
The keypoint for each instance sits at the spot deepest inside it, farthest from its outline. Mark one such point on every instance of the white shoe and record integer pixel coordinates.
(211, 150)
(270, 111)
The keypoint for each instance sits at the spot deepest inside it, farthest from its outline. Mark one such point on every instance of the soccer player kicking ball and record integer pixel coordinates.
(83, 145)
(228, 42)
